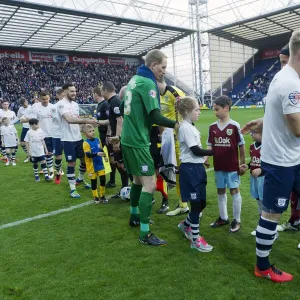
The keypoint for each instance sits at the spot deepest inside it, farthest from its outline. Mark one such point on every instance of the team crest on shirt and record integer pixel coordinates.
(229, 131)
(294, 97)
(61, 107)
(152, 94)
(281, 202)
(117, 110)
(145, 168)
(167, 98)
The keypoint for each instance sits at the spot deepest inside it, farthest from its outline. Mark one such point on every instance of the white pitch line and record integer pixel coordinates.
(57, 212)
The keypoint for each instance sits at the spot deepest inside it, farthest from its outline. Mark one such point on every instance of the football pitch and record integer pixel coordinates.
(89, 252)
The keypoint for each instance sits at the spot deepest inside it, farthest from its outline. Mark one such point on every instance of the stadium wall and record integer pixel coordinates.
(37, 56)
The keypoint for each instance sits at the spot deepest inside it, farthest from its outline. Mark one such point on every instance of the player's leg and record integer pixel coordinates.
(49, 157)
(70, 154)
(23, 144)
(112, 180)
(8, 156)
(278, 185)
(57, 152)
(256, 191)
(102, 179)
(35, 165)
(13, 156)
(45, 168)
(82, 167)
(220, 178)
(95, 194)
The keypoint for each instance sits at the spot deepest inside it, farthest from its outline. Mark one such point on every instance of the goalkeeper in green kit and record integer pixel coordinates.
(141, 110)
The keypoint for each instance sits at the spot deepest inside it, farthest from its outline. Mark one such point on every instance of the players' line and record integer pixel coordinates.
(56, 212)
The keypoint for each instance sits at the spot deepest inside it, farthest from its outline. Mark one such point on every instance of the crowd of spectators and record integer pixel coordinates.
(28, 79)
(257, 88)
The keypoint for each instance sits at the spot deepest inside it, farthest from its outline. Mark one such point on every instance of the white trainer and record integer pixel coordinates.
(7, 163)
(178, 211)
(13, 164)
(27, 160)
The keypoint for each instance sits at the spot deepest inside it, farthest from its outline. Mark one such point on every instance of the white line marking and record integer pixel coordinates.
(57, 212)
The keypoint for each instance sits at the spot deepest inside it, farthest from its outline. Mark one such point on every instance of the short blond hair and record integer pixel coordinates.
(86, 127)
(294, 43)
(186, 105)
(154, 56)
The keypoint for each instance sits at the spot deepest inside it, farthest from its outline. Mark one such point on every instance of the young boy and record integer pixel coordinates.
(36, 148)
(227, 142)
(257, 177)
(94, 163)
(10, 140)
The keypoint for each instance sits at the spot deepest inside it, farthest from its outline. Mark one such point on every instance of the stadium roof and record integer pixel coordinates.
(265, 31)
(32, 25)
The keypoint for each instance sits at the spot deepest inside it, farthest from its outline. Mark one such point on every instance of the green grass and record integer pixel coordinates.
(90, 253)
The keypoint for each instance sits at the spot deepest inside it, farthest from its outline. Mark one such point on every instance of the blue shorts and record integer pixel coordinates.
(23, 134)
(57, 146)
(36, 159)
(225, 180)
(257, 187)
(73, 150)
(192, 180)
(49, 145)
(278, 185)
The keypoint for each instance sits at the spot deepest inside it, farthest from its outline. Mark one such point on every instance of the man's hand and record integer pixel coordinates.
(101, 154)
(256, 172)
(252, 125)
(243, 169)
(92, 122)
(206, 163)
(176, 128)
(113, 140)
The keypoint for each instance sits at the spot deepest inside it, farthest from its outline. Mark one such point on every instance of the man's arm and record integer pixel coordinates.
(72, 120)
(45, 147)
(242, 154)
(252, 125)
(293, 121)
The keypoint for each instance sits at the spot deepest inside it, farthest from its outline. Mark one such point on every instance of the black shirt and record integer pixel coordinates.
(103, 114)
(114, 113)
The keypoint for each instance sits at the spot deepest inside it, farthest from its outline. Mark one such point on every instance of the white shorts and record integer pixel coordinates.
(225, 180)
(257, 187)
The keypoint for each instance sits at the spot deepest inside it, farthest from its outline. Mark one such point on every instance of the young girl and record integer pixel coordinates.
(192, 174)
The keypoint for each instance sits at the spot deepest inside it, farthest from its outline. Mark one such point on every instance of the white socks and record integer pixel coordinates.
(222, 203)
(237, 206)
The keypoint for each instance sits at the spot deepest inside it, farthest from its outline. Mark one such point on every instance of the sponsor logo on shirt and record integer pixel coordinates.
(222, 142)
(152, 93)
(294, 97)
(255, 162)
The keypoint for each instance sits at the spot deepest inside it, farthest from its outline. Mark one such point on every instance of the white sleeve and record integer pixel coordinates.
(19, 113)
(62, 109)
(27, 137)
(291, 97)
(28, 112)
(187, 136)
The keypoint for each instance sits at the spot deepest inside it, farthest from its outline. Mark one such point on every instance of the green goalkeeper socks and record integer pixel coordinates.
(145, 207)
(135, 193)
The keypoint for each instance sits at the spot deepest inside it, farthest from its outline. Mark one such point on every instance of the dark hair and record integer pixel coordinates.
(97, 90)
(285, 51)
(223, 101)
(59, 91)
(44, 93)
(67, 85)
(108, 86)
(23, 100)
(33, 121)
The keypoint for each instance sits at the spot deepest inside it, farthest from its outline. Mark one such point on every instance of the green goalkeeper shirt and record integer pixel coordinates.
(140, 99)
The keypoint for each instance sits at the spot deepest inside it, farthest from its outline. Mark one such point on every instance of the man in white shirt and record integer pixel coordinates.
(280, 157)
(68, 112)
(6, 113)
(21, 116)
(43, 112)
(56, 137)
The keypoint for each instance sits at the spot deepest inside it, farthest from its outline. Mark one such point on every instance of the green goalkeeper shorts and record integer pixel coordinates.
(138, 161)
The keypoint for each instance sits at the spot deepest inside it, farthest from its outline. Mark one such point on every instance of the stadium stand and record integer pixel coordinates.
(27, 79)
(253, 88)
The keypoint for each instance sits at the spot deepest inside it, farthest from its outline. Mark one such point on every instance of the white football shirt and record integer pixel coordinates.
(35, 138)
(56, 127)
(8, 114)
(22, 112)
(44, 115)
(9, 134)
(279, 146)
(69, 132)
(188, 137)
